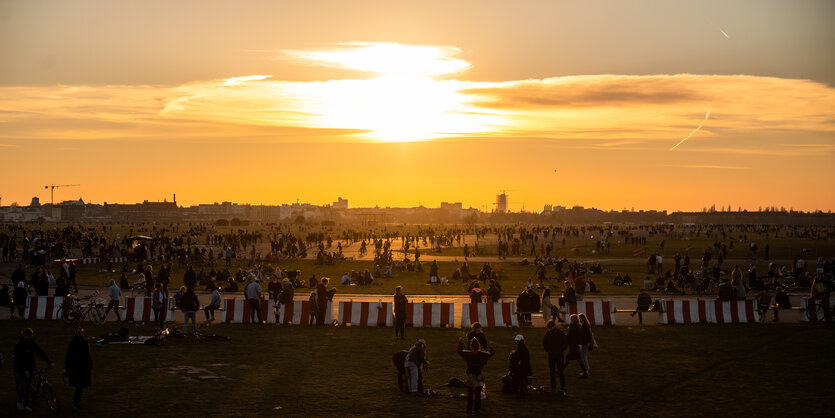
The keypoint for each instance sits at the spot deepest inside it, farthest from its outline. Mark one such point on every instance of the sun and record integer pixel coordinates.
(403, 101)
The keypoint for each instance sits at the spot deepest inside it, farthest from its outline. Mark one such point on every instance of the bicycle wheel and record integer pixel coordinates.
(68, 315)
(51, 399)
(98, 314)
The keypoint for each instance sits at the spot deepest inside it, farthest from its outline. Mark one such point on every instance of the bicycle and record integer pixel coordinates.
(76, 311)
(39, 387)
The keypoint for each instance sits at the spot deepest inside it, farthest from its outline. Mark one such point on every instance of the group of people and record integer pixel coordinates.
(561, 348)
(78, 367)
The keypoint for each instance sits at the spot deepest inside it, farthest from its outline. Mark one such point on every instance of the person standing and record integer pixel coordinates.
(149, 280)
(547, 306)
(322, 301)
(554, 343)
(190, 306)
(190, 277)
(78, 365)
(24, 366)
(476, 359)
(19, 296)
(164, 278)
(252, 291)
(158, 305)
(520, 366)
(72, 277)
(400, 302)
(114, 293)
(414, 361)
(585, 341)
(477, 332)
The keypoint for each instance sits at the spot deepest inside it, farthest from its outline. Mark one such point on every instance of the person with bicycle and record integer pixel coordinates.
(78, 365)
(24, 366)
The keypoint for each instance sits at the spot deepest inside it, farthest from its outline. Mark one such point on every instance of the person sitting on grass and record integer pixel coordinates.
(476, 360)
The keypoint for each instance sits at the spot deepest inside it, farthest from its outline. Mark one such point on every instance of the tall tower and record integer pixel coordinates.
(501, 203)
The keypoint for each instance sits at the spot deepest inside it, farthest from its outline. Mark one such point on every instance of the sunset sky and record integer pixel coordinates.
(671, 105)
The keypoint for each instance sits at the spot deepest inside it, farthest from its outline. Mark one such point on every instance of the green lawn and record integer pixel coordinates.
(726, 370)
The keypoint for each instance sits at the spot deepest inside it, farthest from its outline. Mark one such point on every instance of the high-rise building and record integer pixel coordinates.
(501, 203)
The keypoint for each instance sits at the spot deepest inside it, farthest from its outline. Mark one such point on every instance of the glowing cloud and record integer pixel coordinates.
(385, 58)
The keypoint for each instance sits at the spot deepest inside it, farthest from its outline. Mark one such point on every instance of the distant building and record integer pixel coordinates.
(451, 206)
(35, 202)
(501, 203)
(340, 204)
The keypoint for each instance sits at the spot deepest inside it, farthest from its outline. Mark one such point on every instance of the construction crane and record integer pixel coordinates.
(52, 187)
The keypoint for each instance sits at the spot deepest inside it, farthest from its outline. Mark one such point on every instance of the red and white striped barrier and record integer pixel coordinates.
(298, 313)
(237, 311)
(734, 311)
(685, 312)
(365, 314)
(430, 314)
(118, 259)
(816, 310)
(90, 260)
(43, 307)
(488, 314)
(139, 309)
(598, 312)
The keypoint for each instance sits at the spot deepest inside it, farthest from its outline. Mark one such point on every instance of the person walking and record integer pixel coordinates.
(400, 302)
(555, 343)
(476, 359)
(252, 291)
(322, 301)
(78, 365)
(114, 293)
(190, 307)
(24, 366)
(19, 296)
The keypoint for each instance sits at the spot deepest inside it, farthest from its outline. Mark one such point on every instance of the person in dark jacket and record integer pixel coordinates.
(781, 301)
(24, 365)
(78, 365)
(579, 339)
(476, 360)
(477, 333)
(520, 366)
(399, 359)
(190, 307)
(554, 343)
(19, 296)
(5, 300)
(400, 302)
(190, 278)
(324, 296)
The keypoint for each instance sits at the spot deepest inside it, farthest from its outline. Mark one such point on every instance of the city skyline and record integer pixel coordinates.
(657, 105)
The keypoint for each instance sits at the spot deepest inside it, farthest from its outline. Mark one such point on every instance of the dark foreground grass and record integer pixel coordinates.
(655, 371)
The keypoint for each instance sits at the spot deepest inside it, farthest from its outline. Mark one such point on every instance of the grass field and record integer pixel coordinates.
(743, 370)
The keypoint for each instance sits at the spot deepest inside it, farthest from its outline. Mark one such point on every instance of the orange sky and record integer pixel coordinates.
(265, 102)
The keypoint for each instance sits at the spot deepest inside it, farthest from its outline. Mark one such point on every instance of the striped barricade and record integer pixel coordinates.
(488, 314)
(734, 311)
(685, 311)
(139, 309)
(237, 311)
(118, 259)
(430, 314)
(90, 260)
(598, 312)
(816, 310)
(365, 314)
(298, 313)
(43, 307)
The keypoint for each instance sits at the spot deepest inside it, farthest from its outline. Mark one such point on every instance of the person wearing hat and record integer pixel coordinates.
(414, 361)
(520, 366)
(24, 365)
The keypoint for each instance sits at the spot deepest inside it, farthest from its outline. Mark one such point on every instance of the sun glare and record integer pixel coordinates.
(404, 102)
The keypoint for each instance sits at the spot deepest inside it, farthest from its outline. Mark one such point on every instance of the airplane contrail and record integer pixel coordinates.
(694, 131)
(723, 33)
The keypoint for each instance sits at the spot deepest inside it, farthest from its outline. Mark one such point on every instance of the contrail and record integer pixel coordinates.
(723, 33)
(694, 131)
